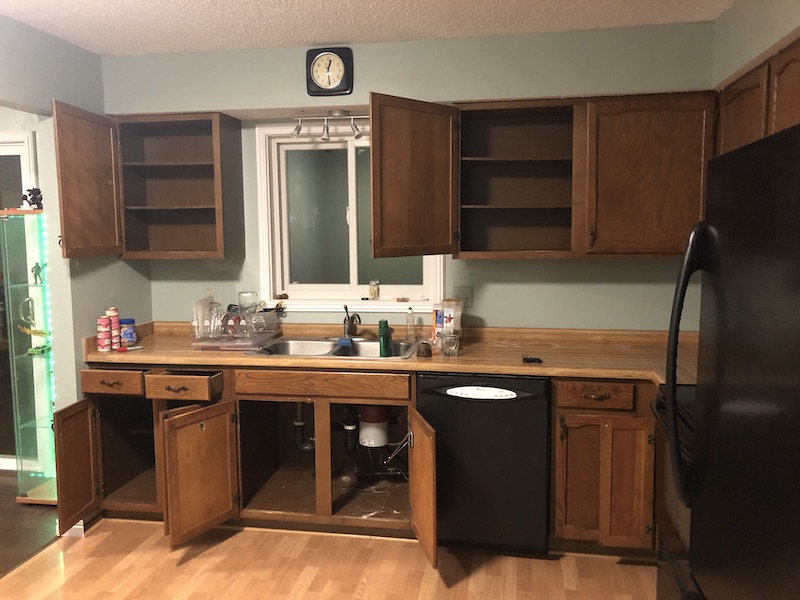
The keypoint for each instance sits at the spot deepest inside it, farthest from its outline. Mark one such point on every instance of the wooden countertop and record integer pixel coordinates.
(602, 354)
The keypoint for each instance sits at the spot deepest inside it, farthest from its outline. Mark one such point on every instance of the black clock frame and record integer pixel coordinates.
(345, 85)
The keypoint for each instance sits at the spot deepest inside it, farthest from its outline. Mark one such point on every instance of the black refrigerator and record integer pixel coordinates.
(742, 482)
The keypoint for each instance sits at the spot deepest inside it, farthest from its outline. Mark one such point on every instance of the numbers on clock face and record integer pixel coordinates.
(327, 70)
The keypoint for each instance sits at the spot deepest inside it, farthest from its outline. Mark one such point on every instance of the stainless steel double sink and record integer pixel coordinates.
(358, 348)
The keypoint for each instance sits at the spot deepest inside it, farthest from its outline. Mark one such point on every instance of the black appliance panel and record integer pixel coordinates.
(492, 461)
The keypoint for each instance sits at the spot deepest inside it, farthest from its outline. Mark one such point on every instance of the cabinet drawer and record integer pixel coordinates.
(598, 395)
(395, 386)
(183, 385)
(108, 381)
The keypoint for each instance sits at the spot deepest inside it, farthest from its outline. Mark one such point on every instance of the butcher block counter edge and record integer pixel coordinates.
(606, 354)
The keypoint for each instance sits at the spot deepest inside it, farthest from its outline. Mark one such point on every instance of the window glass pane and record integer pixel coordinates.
(316, 187)
(396, 270)
(10, 181)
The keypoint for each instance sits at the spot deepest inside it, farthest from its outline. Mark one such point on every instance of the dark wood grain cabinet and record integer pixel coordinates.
(743, 110)
(149, 186)
(762, 102)
(784, 92)
(114, 453)
(648, 159)
(604, 457)
(200, 447)
(539, 178)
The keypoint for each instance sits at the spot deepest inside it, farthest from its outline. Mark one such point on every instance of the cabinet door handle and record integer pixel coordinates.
(597, 397)
(562, 425)
(176, 390)
(110, 384)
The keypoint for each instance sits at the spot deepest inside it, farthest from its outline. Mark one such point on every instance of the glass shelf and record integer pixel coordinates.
(27, 313)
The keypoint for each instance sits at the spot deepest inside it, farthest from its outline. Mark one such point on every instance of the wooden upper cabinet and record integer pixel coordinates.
(784, 89)
(149, 186)
(414, 182)
(743, 110)
(647, 171)
(88, 185)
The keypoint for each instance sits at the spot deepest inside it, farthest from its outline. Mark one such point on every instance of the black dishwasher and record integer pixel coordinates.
(492, 458)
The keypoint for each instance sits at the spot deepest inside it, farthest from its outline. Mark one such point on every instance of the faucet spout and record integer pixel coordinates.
(351, 323)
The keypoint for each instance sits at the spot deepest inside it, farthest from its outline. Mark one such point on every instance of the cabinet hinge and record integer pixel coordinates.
(650, 528)
(118, 136)
(95, 413)
(237, 498)
(651, 438)
(592, 237)
(457, 124)
(456, 235)
(234, 417)
(410, 439)
(99, 489)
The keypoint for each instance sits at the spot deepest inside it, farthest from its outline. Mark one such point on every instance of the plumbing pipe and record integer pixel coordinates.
(300, 432)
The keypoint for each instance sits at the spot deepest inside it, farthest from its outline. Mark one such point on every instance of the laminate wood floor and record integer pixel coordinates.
(132, 559)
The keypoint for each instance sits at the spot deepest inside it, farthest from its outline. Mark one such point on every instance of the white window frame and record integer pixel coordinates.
(302, 299)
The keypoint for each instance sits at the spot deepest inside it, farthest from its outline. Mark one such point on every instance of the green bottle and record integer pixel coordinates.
(385, 339)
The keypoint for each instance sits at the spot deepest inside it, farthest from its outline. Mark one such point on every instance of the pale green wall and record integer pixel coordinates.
(747, 30)
(36, 67)
(633, 60)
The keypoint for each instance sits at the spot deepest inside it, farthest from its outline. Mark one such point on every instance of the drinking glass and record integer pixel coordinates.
(450, 344)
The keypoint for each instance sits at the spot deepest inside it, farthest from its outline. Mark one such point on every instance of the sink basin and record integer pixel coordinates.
(293, 347)
(327, 347)
(371, 349)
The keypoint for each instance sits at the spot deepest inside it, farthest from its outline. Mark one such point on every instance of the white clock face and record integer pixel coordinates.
(327, 70)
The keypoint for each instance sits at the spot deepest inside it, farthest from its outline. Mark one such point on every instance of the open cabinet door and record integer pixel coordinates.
(423, 483)
(161, 461)
(76, 463)
(88, 183)
(201, 479)
(414, 160)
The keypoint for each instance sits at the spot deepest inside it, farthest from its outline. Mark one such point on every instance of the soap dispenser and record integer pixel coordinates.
(384, 339)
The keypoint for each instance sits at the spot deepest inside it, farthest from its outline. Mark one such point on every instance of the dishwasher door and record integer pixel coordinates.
(492, 461)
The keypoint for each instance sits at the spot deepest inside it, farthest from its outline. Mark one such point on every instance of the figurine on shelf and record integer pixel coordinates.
(36, 270)
(33, 199)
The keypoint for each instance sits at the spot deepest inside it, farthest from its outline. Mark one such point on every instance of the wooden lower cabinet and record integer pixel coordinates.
(603, 480)
(110, 446)
(199, 448)
(301, 461)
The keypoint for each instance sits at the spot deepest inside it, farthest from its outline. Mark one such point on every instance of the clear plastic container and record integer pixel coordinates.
(452, 309)
(411, 325)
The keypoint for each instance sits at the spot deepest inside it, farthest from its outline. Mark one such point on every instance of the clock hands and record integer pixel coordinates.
(329, 71)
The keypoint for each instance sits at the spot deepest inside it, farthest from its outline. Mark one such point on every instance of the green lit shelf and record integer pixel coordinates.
(16, 286)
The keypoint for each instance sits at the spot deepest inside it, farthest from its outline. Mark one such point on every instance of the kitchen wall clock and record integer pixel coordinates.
(329, 71)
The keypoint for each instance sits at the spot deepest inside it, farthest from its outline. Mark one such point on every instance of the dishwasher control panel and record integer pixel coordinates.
(480, 392)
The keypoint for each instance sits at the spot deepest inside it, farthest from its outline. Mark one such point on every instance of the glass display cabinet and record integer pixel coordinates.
(27, 370)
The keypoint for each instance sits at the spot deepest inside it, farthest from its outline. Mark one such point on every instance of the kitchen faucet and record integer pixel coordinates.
(350, 322)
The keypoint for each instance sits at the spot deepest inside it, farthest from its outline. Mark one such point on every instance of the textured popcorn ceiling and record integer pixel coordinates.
(112, 27)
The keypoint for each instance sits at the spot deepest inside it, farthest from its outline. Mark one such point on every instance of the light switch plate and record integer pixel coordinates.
(464, 293)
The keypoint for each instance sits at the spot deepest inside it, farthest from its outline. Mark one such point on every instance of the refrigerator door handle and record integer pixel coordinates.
(694, 259)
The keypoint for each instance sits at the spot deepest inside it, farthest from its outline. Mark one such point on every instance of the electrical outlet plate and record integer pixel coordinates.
(464, 293)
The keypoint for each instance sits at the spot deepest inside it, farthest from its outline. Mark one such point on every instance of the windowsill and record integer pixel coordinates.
(360, 306)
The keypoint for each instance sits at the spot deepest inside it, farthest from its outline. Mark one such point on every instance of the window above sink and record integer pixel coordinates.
(314, 223)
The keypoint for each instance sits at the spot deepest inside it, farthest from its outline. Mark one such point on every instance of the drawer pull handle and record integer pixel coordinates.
(597, 397)
(176, 390)
(110, 384)
(201, 426)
